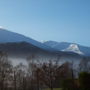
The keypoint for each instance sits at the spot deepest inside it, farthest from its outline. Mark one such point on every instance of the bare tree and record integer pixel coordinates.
(84, 65)
(19, 77)
(5, 70)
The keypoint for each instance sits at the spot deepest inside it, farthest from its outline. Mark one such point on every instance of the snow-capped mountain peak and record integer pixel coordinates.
(73, 48)
(69, 47)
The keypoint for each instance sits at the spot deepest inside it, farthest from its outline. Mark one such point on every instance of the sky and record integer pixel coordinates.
(43, 20)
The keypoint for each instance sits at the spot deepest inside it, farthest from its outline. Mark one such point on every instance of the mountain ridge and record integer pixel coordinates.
(65, 46)
(7, 36)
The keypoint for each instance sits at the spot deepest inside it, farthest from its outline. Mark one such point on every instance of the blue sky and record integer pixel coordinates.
(58, 20)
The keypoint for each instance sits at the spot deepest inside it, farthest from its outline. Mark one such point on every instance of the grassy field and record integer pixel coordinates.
(54, 89)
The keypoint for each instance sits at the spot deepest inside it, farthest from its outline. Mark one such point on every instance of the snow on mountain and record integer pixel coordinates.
(69, 47)
(74, 48)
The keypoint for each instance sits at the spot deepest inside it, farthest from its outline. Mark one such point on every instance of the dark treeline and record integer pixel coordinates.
(40, 76)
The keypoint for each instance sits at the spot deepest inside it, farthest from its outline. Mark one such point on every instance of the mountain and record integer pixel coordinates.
(69, 47)
(22, 52)
(19, 48)
(8, 36)
(74, 48)
(10, 39)
(23, 49)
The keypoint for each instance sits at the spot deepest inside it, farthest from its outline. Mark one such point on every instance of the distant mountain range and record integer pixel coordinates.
(19, 46)
(10, 37)
(69, 47)
(51, 46)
